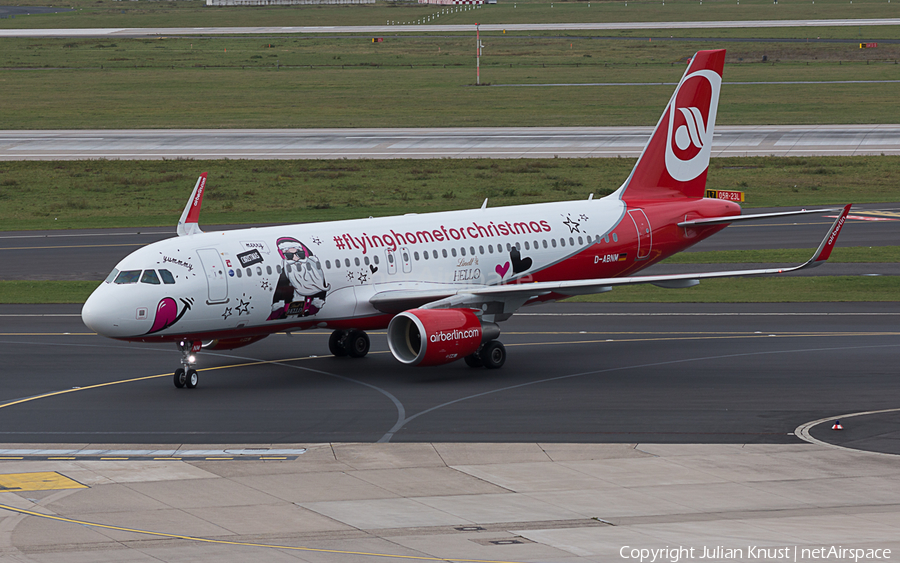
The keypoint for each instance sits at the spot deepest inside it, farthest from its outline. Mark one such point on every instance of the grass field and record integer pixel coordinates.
(101, 193)
(732, 290)
(108, 13)
(426, 80)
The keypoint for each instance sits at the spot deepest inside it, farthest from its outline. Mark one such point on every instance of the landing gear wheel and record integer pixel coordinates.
(191, 379)
(179, 378)
(357, 344)
(336, 343)
(493, 354)
(474, 360)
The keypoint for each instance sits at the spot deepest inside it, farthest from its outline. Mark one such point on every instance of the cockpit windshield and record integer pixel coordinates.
(150, 277)
(133, 276)
(128, 276)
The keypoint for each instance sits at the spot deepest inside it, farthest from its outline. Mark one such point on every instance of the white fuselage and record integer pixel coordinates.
(261, 280)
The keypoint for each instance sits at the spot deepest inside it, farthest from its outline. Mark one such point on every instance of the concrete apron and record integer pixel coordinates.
(455, 502)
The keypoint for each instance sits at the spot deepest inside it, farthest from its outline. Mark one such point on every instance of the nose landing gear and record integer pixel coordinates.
(186, 375)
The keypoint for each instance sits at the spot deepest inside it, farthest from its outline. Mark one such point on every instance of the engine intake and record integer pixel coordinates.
(430, 337)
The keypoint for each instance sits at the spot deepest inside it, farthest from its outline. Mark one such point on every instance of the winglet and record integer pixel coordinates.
(824, 250)
(188, 224)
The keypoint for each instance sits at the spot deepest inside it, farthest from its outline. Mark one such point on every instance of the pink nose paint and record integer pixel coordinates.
(166, 312)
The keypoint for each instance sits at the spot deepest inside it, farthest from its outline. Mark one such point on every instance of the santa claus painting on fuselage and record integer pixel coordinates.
(301, 287)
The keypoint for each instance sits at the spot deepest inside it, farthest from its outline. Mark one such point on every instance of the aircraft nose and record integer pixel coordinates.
(98, 312)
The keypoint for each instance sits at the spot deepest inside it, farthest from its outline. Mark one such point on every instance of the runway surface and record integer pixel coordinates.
(502, 142)
(91, 254)
(732, 373)
(270, 30)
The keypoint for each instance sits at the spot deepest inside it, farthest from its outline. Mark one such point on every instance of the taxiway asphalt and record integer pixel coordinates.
(501, 142)
(674, 373)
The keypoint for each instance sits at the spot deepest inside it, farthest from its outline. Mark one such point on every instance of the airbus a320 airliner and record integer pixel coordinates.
(439, 282)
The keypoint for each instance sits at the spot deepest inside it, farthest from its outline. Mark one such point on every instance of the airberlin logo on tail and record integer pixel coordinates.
(692, 118)
(199, 195)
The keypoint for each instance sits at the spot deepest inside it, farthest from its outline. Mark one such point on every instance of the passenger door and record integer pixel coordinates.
(216, 280)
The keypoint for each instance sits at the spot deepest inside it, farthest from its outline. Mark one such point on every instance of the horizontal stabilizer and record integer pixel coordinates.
(737, 218)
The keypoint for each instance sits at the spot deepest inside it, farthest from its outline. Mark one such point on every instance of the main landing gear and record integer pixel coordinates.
(491, 355)
(186, 375)
(353, 343)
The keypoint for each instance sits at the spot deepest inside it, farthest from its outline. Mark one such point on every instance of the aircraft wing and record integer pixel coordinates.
(393, 301)
(738, 218)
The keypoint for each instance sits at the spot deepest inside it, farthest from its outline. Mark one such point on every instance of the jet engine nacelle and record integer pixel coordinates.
(430, 337)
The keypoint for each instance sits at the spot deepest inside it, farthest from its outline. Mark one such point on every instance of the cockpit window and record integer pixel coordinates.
(166, 276)
(112, 275)
(128, 276)
(150, 277)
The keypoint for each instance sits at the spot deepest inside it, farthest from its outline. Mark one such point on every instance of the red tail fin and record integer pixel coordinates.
(675, 161)
(188, 224)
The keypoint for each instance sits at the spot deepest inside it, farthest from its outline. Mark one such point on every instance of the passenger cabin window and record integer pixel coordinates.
(167, 276)
(545, 243)
(462, 251)
(444, 251)
(375, 258)
(453, 252)
(112, 275)
(328, 264)
(128, 276)
(562, 242)
(269, 270)
(416, 255)
(615, 237)
(150, 277)
(434, 254)
(238, 271)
